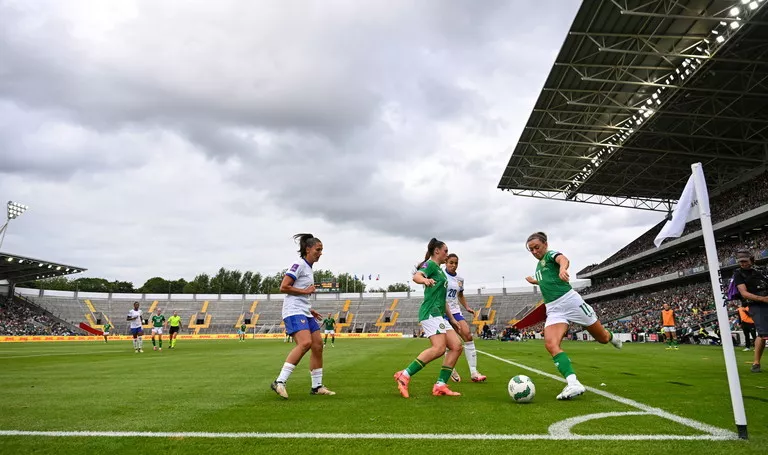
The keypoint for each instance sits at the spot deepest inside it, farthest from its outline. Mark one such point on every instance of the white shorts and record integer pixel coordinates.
(106, 333)
(668, 328)
(570, 308)
(435, 325)
(157, 330)
(329, 332)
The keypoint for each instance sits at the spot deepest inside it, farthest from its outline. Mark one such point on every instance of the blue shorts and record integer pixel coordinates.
(137, 331)
(300, 322)
(458, 316)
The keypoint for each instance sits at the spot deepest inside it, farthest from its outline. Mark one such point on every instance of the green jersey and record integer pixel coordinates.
(157, 320)
(242, 328)
(174, 321)
(107, 326)
(548, 276)
(434, 296)
(329, 323)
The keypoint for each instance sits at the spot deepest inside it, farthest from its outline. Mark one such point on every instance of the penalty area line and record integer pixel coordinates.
(717, 432)
(407, 436)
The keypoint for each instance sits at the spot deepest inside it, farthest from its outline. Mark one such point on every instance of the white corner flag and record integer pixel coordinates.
(687, 209)
(696, 190)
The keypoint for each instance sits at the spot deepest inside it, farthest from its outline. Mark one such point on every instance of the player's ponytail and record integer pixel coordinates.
(431, 247)
(305, 241)
(536, 236)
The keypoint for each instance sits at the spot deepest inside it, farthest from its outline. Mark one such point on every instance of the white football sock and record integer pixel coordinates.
(471, 354)
(317, 377)
(285, 373)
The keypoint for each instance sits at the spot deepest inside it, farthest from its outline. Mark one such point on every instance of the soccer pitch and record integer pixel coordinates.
(214, 396)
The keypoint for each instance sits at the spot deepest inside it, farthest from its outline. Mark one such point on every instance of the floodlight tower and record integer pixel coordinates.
(14, 211)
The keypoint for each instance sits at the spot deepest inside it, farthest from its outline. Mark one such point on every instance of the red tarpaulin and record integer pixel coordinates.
(538, 314)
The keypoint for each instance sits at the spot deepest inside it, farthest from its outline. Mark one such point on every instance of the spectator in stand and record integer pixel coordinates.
(747, 325)
(21, 320)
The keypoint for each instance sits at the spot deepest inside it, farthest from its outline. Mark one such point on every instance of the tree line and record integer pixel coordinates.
(223, 282)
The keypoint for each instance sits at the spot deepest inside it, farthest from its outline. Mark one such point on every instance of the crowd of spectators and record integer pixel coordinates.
(21, 320)
(725, 205)
(681, 260)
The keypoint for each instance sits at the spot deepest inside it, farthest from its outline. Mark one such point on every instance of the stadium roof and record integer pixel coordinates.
(18, 269)
(641, 90)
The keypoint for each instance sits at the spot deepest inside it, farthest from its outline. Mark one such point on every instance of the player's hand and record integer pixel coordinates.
(309, 289)
(429, 282)
(564, 275)
(316, 315)
(471, 311)
(530, 279)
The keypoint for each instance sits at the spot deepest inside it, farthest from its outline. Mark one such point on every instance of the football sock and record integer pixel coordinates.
(572, 380)
(317, 377)
(153, 341)
(135, 344)
(141, 342)
(563, 364)
(161, 342)
(471, 354)
(333, 339)
(445, 374)
(285, 373)
(414, 367)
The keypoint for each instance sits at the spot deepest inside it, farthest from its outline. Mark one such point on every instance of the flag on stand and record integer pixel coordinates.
(687, 209)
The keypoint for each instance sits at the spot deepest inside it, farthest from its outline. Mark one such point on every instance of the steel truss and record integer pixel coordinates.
(603, 81)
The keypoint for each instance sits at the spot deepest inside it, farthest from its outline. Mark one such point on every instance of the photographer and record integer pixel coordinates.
(753, 286)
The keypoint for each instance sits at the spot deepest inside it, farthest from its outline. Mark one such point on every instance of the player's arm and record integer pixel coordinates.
(449, 315)
(463, 302)
(531, 280)
(421, 278)
(750, 296)
(287, 287)
(130, 318)
(564, 263)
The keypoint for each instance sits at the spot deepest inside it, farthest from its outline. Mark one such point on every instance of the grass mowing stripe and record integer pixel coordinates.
(701, 426)
(497, 437)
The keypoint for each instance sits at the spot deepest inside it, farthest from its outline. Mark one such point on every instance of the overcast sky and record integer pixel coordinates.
(174, 137)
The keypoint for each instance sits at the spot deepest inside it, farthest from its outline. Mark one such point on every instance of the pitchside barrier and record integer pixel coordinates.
(228, 336)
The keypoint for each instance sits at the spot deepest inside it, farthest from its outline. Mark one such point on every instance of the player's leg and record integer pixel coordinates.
(160, 338)
(437, 347)
(333, 339)
(140, 337)
(316, 364)
(553, 336)
(673, 336)
(469, 350)
(580, 312)
(303, 343)
(453, 344)
(135, 335)
(759, 347)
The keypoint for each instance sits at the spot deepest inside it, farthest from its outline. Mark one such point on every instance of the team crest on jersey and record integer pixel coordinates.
(461, 283)
(542, 261)
(442, 326)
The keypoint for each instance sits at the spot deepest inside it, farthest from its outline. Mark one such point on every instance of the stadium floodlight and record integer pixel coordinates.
(14, 211)
(734, 11)
(753, 6)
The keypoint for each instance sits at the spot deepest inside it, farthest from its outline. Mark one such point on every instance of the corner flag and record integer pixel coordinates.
(687, 209)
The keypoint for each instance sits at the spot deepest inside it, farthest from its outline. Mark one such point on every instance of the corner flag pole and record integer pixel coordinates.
(737, 402)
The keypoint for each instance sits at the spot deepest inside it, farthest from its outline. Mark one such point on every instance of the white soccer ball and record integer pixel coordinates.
(521, 389)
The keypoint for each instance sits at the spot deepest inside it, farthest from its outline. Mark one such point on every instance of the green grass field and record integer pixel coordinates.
(223, 387)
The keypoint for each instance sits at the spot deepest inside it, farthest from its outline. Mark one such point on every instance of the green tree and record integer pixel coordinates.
(155, 285)
(200, 285)
(125, 287)
(271, 284)
(348, 283)
(399, 287)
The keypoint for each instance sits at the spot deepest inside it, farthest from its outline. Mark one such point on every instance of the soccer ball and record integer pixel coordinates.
(521, 388)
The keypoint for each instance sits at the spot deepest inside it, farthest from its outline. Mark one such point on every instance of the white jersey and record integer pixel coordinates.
(135, 323)
(455, 285)
(302, 275)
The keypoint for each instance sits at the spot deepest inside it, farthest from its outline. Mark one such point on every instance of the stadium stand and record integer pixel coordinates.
(362, 315)
(18, 317)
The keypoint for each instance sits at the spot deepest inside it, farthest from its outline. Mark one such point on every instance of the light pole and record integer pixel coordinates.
(14, 211)
(503, 284)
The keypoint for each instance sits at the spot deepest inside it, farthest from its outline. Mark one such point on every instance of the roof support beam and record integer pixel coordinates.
(650, 150)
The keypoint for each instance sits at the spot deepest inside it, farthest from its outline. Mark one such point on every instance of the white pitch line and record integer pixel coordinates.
(408, 436)
(695, 424)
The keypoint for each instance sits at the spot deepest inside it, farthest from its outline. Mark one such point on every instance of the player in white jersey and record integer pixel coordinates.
(455, 300)
(134, 317)
(301, 321)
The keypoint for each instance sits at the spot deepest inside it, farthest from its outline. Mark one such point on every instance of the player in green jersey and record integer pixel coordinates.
(433, 314)
(241, 332)
(564, 306)
(174, 322)
(105, 332)
(329, 328)
(158, 322)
